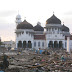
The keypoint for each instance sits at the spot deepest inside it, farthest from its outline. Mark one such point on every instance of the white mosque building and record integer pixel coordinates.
(54, 36)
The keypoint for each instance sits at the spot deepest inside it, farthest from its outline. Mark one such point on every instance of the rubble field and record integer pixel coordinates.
(50, 60)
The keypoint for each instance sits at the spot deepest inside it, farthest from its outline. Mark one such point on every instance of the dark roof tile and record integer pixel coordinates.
(53, 20)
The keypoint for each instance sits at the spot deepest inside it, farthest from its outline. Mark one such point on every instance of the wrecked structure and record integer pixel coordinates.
(29, 61)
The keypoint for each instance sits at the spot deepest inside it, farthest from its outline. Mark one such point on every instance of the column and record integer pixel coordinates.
(58, 43)
(47, 44)
(68, 48)
(32, 44)
(16, 44)
(26, 44)
(64, 44)
(22, 44)
(53, 44)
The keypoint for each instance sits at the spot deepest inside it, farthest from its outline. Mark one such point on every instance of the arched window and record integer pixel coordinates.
(55, 44)
(38, 44)
(29, 44)
(24, 44)
(19, 44)
(47, 29)
(51, 44)
(42, 44)
(34, 44)
(60, 44)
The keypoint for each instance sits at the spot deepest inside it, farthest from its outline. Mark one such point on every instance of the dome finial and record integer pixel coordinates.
(25, 18)
(38, 19)
(18, 11)
(38, 23)
(53, 12)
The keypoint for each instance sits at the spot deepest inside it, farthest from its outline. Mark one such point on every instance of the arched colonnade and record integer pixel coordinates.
(24, 44)
(55, 44)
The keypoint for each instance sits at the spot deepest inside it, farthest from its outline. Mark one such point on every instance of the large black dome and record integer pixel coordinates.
(53, 20)
(38, 28)
(64, 28)
(24, 25)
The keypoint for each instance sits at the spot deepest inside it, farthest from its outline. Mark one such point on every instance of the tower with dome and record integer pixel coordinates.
(54, 36)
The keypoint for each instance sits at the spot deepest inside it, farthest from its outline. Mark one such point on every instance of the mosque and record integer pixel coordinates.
(53, 35)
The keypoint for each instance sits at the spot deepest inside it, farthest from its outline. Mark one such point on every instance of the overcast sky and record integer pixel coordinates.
(34, 11)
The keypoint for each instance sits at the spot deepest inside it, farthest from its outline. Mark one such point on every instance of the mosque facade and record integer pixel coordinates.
(53, 35)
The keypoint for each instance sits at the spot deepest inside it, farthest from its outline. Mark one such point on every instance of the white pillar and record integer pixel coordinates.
(68, 48)
(32, 44)
(47, 42)
(22, 44)
(63, 44)
(16, 44)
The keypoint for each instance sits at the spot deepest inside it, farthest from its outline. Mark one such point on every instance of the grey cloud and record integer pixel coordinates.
(7, 13)
(6, 26)
(68, 13)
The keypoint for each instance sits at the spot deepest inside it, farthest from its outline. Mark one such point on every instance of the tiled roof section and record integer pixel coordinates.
(64, 28)
(39, 37)
(24, 25)
(53, 20)
(38, 28)
(70, 37)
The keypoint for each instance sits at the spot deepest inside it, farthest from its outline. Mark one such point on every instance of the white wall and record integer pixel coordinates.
(70, 44)
(55, 36)
(37, 47)
(24, 37)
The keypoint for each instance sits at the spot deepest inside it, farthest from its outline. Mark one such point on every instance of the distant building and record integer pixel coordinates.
(54, 36)
(9, 44)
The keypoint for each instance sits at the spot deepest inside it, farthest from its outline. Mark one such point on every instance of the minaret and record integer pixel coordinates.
(18, 19)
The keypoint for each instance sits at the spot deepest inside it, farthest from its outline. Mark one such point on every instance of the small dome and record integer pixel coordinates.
(64, 28)
(24, 25)
(53, 20)
(39, 23)
(38, 27)
(18, 16)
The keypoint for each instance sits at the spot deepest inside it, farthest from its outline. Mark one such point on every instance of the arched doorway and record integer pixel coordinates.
(19, 44)
(29, 44)
(24, 44)
(55, 44)
(51, 44)
(60, 44)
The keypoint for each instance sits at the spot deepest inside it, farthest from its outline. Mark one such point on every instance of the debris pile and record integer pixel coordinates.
(50, 60)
